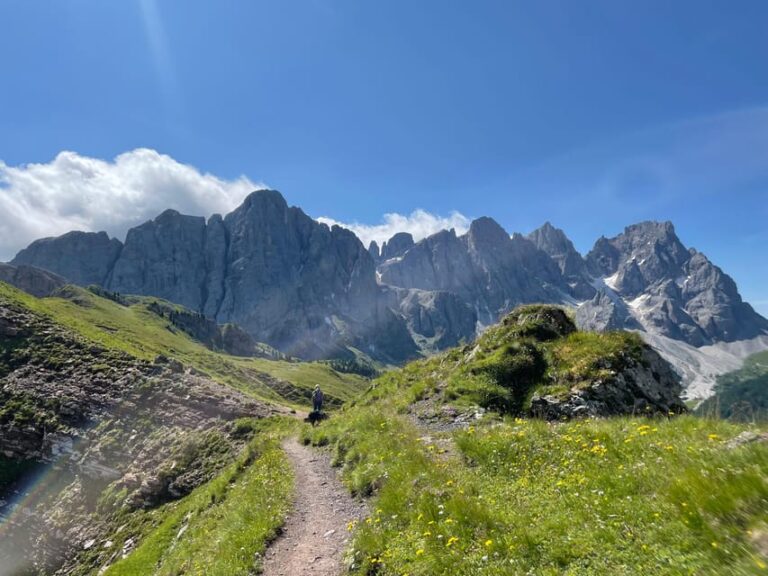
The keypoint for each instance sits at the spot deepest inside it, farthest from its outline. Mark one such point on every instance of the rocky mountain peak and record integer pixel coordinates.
(662, 228)
(652, 246)
(169, 219)
(654, 239)
(673, 291)
(605, 312)
(486, 231)
(168, 214)
(373, 250)
(550, 239)
(265, 197)
(558, 246)
(268, 207)
(397, 245)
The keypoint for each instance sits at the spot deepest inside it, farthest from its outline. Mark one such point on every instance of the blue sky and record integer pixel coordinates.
(590, 114)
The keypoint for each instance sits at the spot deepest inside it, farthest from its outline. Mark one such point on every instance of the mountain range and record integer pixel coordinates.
(315, 291)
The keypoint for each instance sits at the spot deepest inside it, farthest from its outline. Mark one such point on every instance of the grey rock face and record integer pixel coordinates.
(603, 259)
(216, 265)
(438, 319)
(81, 257)
(294, 283)
(31, 280)
(603, 313)
(396, 246)
(373, 250)
(673, 291)
(652, 246)
(714, 303)
(485, 267)
(290, 281)
(439, 262)
(164, 257)
(312, 291)
(556, 244)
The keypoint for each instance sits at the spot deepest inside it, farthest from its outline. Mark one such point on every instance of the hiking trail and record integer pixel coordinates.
(315, 536)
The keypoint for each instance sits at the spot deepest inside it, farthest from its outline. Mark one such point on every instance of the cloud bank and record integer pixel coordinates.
(419, 223)
(75, 192)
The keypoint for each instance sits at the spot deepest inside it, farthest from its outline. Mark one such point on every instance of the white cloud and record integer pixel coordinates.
(76, 192)
(419, 223)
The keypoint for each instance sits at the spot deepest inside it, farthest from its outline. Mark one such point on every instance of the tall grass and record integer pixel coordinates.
(598, 497)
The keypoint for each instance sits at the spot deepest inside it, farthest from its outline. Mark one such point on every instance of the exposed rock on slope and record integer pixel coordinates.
(635, 383)
(103, 423)
(229, 338)
(605, 312)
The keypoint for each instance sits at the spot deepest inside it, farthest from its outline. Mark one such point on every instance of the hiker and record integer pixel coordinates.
(317, 399)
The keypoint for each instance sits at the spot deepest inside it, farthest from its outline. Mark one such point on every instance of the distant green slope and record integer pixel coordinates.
(741, 395)
(140, 332)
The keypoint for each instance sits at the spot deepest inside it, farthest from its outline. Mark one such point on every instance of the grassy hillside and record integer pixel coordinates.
(137, 330)
(459, 482)
(617, 496)
(741, 395)
(459, 490)
(219, 529)
(142, 454)
(535, 357)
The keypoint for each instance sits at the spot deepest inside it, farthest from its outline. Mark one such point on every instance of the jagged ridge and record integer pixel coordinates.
(314, 291)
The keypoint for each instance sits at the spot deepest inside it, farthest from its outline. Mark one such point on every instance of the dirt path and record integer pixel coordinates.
(315, 534)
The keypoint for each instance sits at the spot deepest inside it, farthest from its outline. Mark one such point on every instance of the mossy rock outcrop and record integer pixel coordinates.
(536, 362)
